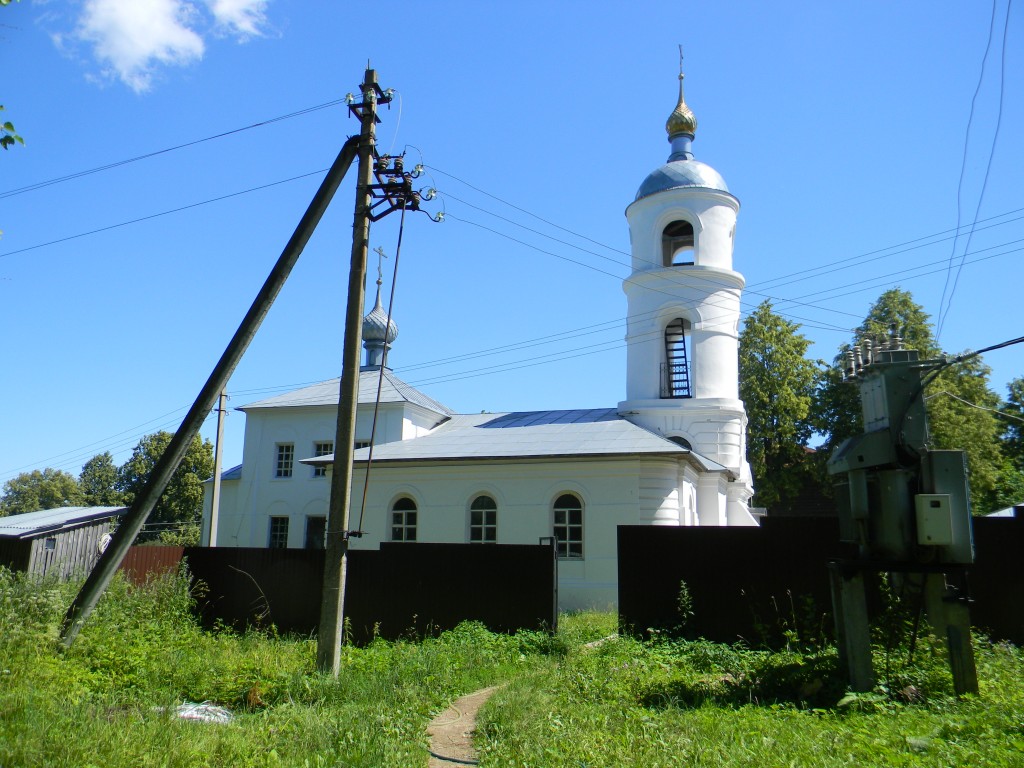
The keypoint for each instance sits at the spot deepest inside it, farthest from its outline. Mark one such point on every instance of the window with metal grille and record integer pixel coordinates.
(676, 373)
(324, 448)
(483, 520)
(403, 520)
(677, 244)
(278, 533)
(568, 526)
(316, 528)
(285, 460)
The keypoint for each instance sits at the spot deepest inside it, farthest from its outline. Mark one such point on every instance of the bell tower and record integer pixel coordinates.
(683, 299)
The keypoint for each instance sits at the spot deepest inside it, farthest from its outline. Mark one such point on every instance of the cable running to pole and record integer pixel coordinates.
(380, 373)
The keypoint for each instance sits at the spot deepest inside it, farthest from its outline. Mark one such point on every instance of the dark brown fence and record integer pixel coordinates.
(758, 583)
(397, 590)
(141, 563)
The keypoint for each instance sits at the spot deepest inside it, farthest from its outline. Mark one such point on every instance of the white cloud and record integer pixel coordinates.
(246, 18)
(131, 37)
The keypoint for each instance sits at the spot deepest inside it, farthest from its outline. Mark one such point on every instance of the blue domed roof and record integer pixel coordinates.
(682, 173)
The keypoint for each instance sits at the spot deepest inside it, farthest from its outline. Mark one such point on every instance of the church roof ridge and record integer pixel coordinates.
(393, 390)
(585, 432)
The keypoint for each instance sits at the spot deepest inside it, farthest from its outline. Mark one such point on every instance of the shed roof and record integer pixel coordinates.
(32, 524)
(392, 390)
(529, 434)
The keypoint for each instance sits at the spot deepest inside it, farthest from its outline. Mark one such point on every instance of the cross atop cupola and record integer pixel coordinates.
(681, 125)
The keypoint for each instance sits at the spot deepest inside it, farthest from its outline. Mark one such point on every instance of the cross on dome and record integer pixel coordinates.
(682, 121)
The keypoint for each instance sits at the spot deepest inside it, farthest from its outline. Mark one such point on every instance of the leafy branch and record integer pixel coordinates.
(7, 133)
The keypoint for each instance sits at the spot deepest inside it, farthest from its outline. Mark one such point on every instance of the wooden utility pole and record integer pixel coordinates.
(328, 655)
(218, 450)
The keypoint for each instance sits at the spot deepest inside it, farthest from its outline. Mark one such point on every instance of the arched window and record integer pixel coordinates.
(483, 520)
(403, 520)
(677, 244)
(676, 372)
(568, 526)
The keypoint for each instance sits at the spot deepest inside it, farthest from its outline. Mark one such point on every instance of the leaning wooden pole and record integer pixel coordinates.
(332, 606)
(144, 503)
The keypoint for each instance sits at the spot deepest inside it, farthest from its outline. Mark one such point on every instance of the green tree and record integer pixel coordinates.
(959, 401)
(178, 514)
(1013, 431)
(35, 490)
(777, 384)
(98, 481)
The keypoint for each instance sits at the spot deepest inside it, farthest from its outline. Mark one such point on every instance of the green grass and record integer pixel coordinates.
(703, 704)
(108, 701)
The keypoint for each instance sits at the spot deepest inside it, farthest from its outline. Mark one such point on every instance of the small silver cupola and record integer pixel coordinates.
(378, 334)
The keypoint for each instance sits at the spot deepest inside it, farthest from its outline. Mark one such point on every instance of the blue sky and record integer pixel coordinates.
(839, 126)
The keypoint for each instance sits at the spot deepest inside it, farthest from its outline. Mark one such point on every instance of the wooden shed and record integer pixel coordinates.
(59, 542)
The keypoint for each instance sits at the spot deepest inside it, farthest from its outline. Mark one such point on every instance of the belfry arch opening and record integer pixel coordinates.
(677, 244)
(676, 370)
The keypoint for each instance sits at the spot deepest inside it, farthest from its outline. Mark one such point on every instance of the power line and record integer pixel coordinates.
(818, 271)
(881, 253)
(886, 277)
(963, 162)
(119, 163)
(780, 301)
(528, 213)
(975, 405)
(671, 278)
(988, 169)
(163, 213)
(113, 444)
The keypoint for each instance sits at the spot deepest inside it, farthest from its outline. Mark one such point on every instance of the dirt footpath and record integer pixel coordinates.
(451, 732)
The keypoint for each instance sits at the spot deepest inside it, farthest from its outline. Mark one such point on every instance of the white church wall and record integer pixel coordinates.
(245, 503)
(712, 214)
(711, 501)
(525, 492)
(655, 299)
(688, 478)
(659, 500)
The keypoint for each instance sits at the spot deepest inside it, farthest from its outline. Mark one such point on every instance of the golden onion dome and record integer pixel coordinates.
(682, 119)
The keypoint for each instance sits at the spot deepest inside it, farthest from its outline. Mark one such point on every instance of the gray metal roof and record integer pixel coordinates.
(231, 474)
(682, 173)
(393, 390)
(49, 520)
(228, 474)
(528, 434)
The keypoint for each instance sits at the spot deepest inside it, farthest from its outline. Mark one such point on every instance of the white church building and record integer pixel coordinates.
(673, 452)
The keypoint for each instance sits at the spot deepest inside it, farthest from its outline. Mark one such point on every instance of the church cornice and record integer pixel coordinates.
(673, 278)
(677, 196)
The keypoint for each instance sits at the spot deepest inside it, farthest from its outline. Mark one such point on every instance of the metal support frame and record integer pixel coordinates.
(906, 507)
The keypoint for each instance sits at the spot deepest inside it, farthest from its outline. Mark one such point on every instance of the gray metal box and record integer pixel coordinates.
(934, 519)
